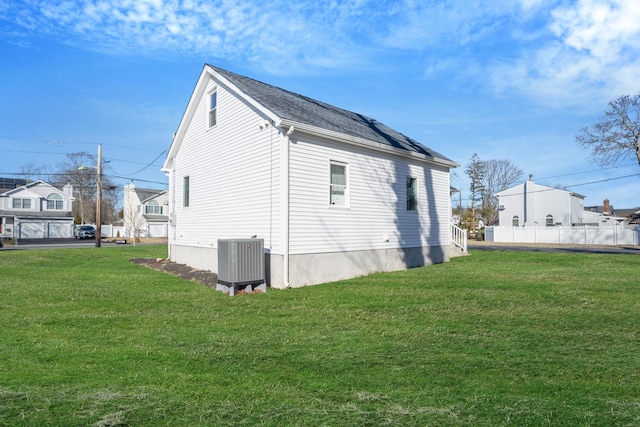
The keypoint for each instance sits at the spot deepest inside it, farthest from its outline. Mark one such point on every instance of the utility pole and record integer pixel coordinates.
(99, 199)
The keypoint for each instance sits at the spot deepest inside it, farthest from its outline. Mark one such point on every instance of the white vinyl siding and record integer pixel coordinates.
(234, 176)
(377, 201)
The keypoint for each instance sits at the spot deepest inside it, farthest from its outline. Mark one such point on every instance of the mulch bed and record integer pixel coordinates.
(183, 271)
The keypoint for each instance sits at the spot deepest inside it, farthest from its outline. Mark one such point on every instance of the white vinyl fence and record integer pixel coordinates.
(587, 235)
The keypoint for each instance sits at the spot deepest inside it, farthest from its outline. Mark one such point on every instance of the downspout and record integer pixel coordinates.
(285, 207)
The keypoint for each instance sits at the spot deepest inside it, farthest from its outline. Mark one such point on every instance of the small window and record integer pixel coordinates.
(412, 194)
(213, 108)
(515, 221)
(22, 203)
(549, 220)
(54, 202)
(185, 191)
(338, 186)
(153, 208)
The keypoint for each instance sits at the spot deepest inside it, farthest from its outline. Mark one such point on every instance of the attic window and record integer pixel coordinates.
(213, 108)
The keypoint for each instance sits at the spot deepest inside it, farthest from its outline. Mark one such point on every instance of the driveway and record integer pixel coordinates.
(474, 245)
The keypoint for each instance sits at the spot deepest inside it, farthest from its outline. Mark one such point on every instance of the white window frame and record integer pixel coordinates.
(22, 203)
(515, 221)
(334, 201)
(411, 194)
(186, 189)
(56, 200)
(548, 220)
(212, 116)
(153, 208)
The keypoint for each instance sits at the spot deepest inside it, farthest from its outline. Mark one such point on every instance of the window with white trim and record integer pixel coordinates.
(185, 191)
(21, 203)
(412, 194)
(213, 108)
(549, 220)
(153, 208)
(338, 184)
(55, 202)
(515, 221)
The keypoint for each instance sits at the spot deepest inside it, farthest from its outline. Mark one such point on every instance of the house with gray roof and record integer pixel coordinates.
(35, 210)
(334, 194)
(145, 212)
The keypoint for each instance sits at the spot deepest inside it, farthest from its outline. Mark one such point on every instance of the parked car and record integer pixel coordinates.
(85, 232)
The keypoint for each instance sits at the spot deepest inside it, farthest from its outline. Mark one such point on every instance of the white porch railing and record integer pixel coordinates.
(459, 237)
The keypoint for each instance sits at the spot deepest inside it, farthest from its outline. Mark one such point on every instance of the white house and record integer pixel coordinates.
(334, 194)
(145, 212)
(35, 210)
(535, 213)
(534, 205)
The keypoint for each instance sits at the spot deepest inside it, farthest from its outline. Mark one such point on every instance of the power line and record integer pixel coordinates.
(591, 171)
(52, 142)
(149, 164)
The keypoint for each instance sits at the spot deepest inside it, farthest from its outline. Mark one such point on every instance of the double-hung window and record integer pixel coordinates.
(185, 191)
(22, 203)
(412, 194)
(338, 184)
(213, 108)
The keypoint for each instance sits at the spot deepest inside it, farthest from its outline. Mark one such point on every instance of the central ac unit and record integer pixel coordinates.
(241, 264)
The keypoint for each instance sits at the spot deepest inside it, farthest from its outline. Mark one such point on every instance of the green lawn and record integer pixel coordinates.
(496, 338)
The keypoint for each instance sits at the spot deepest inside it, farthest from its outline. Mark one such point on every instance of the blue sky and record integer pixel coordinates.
(512, 79)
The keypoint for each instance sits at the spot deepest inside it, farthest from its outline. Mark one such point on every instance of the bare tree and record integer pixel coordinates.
(489, 177)
(80, 170)
(498, 176)
(617, 135)
(133, 218)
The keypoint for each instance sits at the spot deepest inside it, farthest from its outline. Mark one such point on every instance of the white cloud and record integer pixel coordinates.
(270, 32)
(592, 56)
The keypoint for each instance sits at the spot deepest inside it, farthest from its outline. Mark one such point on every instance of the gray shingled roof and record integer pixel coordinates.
(146, 193)
(302, 109)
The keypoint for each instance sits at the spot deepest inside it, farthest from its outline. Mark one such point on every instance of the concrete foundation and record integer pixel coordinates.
(313, 269)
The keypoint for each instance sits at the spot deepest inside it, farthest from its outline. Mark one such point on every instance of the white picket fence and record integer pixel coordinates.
(618, 234)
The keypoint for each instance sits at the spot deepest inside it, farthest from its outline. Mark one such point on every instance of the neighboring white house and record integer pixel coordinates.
(145, 212)
(334, 194)
(35, 210)
(534, 205)
(536, 213)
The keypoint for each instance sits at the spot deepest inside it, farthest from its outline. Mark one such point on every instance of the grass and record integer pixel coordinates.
(497, 338)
